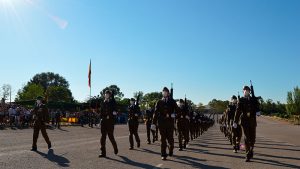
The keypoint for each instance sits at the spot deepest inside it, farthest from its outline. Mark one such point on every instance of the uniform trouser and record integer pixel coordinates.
(236, 136)
(166, 129)
(107, 129)
(192, 130)
(148, 126)
(36, 129)
(156, 133)
(57, 122)
(133, 131)
(183, 132)
(198, 129)
(249, 136)
(91, 122)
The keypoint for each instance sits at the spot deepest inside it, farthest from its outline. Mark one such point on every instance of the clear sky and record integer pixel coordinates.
(208, 49)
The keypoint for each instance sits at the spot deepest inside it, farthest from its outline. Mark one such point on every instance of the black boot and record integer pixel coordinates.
(34, 149)
(102, 155)
(116, 151)
(138, 144)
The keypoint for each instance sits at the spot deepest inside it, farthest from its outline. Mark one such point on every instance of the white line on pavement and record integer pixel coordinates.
(158, 166)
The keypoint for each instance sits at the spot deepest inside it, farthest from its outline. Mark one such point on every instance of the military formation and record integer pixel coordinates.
(240, 119)
(169, 118)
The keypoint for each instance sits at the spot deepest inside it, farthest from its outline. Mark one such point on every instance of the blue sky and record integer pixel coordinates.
(208, 49)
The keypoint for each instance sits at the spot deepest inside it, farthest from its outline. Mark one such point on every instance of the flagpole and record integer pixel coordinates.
(90, 82)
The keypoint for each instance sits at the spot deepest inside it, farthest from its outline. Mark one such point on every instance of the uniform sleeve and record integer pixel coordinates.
(228, 116)
(138, 109)
(114, 105)
(155, 114)
(238, 112)
(100, 110)
(176, 108)
(46, 115)
(257, 105)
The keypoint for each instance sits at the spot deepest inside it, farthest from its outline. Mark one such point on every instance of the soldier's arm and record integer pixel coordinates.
(155, 114)
(47, 115)
(139, 111)
(238, 112)
(227, 116)
(114, 105)
(176, 108)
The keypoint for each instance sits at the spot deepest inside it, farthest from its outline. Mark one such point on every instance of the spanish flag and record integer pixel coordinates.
(90, 73)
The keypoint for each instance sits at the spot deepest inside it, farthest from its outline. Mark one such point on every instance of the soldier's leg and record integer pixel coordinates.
(234, 139)
(148, 127)
(111, 137)
(180, 135)
(131, 135)
(163, 139)
(252, 139)
(103, 139)
(136, 135)
(36, 130)
(247, 141)
(153, 135)
(239, 136)
(45, 135)
(156, 133)
(170, 138)
(186, 135)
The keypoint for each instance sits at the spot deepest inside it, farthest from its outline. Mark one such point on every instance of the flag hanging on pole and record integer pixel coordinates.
(90, 73)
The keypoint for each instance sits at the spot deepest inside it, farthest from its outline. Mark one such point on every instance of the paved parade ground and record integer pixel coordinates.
(278, 146)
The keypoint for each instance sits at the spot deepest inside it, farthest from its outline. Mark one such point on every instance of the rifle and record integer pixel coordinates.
(252, 90)
(185, 102)
(171, 95)
(137, 100)
(112, 95)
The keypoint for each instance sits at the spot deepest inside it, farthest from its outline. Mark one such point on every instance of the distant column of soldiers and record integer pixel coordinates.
(166, 110)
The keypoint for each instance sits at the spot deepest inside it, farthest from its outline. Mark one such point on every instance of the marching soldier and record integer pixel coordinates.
(91, 118)
(235, 133)
(192, 125)
(41, 117)
(107, 116)
(247, 109)
(197, 123)
(149, 118)
(163, 115)
(183, 125)
(133, 123)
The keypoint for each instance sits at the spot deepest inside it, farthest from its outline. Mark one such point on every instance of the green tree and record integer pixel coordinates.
(150, 99)
(54, 87)
(293, 101)
(30, 92)
(218, 105)
(59, 94)
(201, 107)
(140, 94)
(48, 79)
(123, 105)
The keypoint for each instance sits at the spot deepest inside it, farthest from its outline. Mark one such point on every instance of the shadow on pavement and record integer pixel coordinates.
(132, 163)
(59, 160)
(194, 162)
(60, 129)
